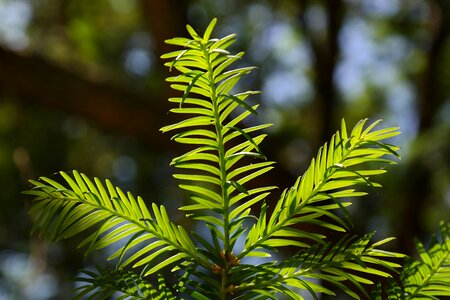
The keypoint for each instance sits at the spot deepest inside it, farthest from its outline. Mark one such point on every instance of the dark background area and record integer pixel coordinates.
(82, 87)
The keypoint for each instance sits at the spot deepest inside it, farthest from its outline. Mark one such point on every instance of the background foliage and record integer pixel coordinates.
(81, 87)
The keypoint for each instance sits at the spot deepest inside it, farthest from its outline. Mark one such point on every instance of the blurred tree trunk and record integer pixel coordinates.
(164, 20)
(417, 195)
(325, 50)
(439, 27)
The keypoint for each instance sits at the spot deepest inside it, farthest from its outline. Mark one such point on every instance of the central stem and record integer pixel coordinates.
(223, 176)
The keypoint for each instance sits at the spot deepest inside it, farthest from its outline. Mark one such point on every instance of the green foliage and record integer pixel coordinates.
(62, 212)
(216, 173)
(104, 283)
(427, 277)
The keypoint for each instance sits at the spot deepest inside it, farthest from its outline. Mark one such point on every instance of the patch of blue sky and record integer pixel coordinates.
(15, 17)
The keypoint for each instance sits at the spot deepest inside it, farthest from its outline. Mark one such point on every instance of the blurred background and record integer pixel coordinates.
(82, 87)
